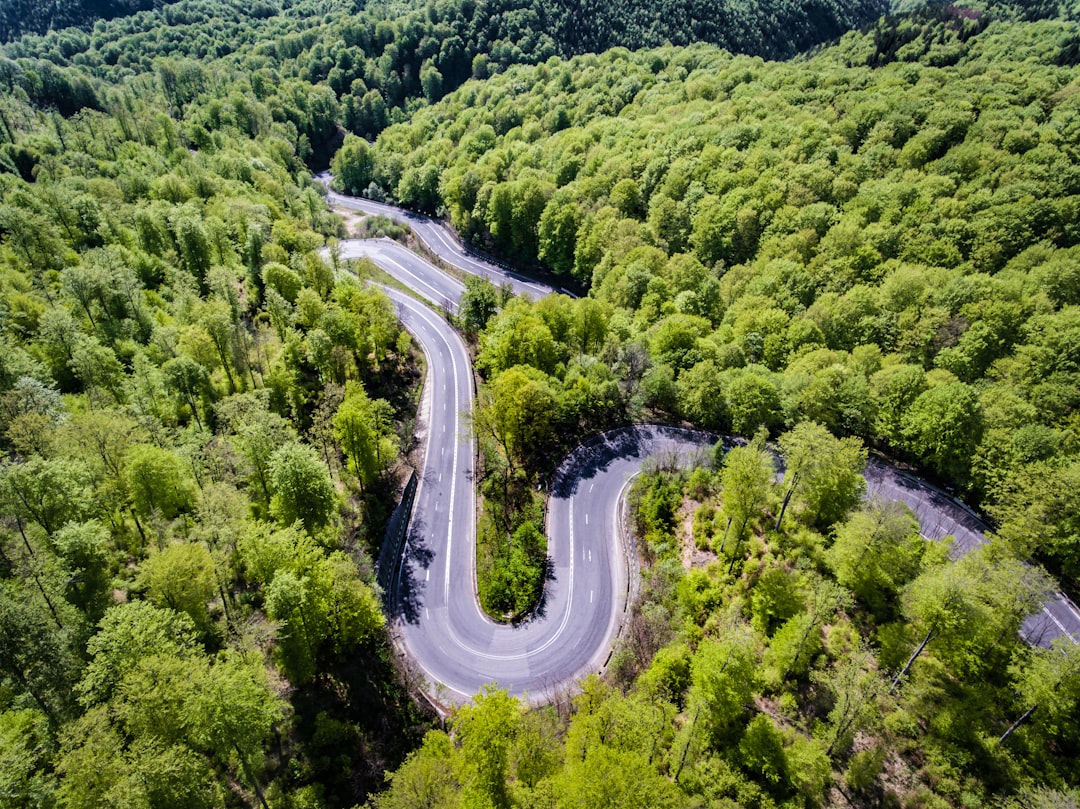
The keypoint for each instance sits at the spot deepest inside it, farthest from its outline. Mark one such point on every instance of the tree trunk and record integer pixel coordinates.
(787, 499)
(929, 637)
(251, 777)
(802, 645)
(48, 601)
(1018, 723)
(738, 544)
(723, 541)
(138, 525)
(686, 747)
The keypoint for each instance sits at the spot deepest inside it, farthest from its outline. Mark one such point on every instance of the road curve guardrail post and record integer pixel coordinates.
(390, 553)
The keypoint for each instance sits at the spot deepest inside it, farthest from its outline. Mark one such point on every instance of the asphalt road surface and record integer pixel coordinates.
(941, 515)
(442, 241)
(403, 264)
(435, 613)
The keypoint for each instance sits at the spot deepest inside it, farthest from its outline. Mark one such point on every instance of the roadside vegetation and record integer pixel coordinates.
(878, 238)
(872, 245)
(792, 645)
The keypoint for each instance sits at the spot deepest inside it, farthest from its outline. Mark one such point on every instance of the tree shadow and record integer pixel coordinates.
(539, 610)
(407, 588)
(595, 455)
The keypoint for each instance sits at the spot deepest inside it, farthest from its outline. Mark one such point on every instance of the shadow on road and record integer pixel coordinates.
(539, 612)
(416, 557)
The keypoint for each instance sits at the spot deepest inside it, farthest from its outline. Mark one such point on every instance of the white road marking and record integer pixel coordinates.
(427, 575)
(586, 519)
(592, 486)
(590, 596)
(1060, 625)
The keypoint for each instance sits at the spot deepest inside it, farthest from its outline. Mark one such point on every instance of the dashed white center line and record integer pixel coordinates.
(592, 486)
(427, 614)
(427, 575)
(586, 519)
(590, 554)
(590, 596)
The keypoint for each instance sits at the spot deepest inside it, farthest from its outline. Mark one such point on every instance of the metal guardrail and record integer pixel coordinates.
(390, 553)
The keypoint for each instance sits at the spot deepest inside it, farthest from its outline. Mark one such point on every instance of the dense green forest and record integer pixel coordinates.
(822, 655)
(19, 17)
(379, 61)
(200, 425)
(888, 251)
(202, 419)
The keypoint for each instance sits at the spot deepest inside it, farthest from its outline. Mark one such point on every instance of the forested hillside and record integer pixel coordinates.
(187, 609)
(18, 17)
(202, 418)
(382, 61)
(877, 242)
(887, 251)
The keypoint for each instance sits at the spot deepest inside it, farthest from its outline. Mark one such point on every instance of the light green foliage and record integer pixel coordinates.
(83, 549)
(516, 576)
(181, 577)
(517, 337)
(26, 751)
(746, 478)
(157, 481)
(943, 426)
(487, 729)
(167, 714)
(776, 597)
(520, 413)
(1050, 679)
(823, 472)
(753, 402)
(724, 673)
(969, 607)
(426, 778)
(875, 552)
(610, 736)
(364, 428)
(479, 303)
(668, 675)
(1038, 513)
(353, 166)
(166, 326)
(795, 646)
(320, 600)
(127, 633)
(879, 237)
(302, 487)
(48, 492)
(762, 750)
(856, 686)
(257, 433)
(864, 768)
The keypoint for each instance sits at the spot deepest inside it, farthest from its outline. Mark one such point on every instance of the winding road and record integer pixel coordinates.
(435, 613)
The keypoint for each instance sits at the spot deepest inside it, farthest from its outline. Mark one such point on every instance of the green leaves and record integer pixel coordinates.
(364, 428)
(302, 487)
